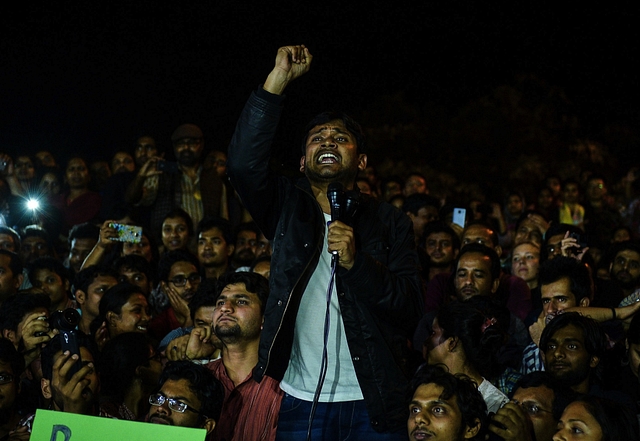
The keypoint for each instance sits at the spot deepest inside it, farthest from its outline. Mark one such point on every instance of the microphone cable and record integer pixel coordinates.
(325, 358)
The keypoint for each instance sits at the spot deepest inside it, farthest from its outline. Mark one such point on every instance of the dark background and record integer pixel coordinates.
(464, 88)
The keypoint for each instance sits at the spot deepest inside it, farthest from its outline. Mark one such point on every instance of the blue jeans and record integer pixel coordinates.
(343, 421)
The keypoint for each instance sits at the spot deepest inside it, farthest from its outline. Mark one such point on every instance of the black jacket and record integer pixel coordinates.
(380, 299)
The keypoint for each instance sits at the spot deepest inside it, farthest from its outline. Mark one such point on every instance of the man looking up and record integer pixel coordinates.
(377, 288)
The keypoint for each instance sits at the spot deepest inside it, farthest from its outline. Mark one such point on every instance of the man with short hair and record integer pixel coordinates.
(136, 270)
(23, 321)
(90, 284)
(122, 162)
(179, 279)
(445, 407)
(442, 245)
(215, 246)
(82, 239)
(530, 227)
(625, 267)
(10, 274)
(35, 243)
(375, 267)
(9, 239)
(251, 409)
(415, 183)
(50, 276)
(188, 396)
(246, 242)
(190, 187)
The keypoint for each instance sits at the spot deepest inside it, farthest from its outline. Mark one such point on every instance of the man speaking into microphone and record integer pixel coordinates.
(336, 341)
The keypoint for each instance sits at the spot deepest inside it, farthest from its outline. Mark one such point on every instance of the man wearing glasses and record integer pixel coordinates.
(188, 396)
(180, 277)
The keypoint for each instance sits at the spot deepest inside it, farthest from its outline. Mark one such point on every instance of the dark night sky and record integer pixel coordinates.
(90, 76)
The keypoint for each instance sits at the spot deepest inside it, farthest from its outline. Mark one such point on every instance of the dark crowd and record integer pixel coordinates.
(211, 292)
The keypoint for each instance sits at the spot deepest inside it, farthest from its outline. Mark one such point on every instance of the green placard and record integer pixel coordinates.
(61, 426)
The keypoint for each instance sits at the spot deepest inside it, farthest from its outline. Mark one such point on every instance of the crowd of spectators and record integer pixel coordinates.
(529, 329)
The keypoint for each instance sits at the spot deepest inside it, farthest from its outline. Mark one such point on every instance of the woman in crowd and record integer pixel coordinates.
(177, 230)
(595, 419)
(525, 264)
(467, 341)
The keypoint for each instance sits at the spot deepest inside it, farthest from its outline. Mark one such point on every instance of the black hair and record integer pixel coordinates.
(85, 230)
(51, 264)
(55, 345)
(112, 301)
(13, 309)
(119, 359)
(246, 226)
(555, 230)
(169, 258)
(595, 340)
(202, 383)
(349, 123)
(562, 394)
(206, 295)
(259, 260)
(485, 251)
(579, 276)
(10, 355)
(14, 235)
(434, 227)
(181, 214)
(223, 225)
(617, 422)
(253, 282)
(492, 232)
(15, 263)
(86, 276)
(136, 263)
(415, 202)
(35, 231)
(480, 336)
(470, 402)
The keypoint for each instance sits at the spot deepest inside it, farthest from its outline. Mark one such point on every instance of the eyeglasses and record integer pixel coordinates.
(6, 379)
(530, 407)
(175, 405)
(182, 280)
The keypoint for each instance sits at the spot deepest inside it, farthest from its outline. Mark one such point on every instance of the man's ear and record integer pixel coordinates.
(585, 301)
(302, 162)
(362, 161)
(498, 250)
(230, 250)
(594, 362)
(81, 297)
(18, 280)
(209, 425)
(45, 386)
(494, 285)
(452, 343)
(470, 432)
(10, 335)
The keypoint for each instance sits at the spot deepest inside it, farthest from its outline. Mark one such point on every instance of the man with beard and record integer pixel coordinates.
(625, 268)
(573, 347)
(214, 246)
(188, 186)
(179, 279)
(250, 410)
(442, 246)
(188, 396)
(374, 300)
(246, 243)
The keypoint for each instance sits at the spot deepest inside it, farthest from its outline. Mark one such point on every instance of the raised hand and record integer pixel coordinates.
(291, 62)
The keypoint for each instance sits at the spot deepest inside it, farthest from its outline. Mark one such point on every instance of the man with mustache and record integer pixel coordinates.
(376, 298)
(188, 186)
(188, 396)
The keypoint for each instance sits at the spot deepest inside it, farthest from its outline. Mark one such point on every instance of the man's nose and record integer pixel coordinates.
(329, 142)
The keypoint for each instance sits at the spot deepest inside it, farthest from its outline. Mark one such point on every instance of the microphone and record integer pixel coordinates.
(335, 196)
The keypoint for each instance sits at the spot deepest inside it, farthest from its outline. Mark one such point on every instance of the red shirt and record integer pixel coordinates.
(250, 410)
